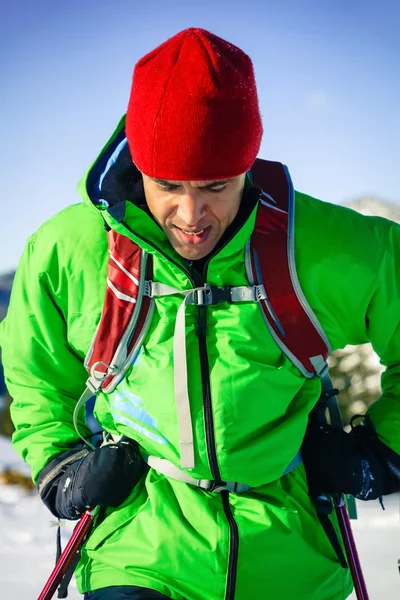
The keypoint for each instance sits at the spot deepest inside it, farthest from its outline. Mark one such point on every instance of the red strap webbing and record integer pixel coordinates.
(290, 318)
(121, 302)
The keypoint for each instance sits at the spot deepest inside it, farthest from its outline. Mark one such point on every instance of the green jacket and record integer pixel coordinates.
(249, 404)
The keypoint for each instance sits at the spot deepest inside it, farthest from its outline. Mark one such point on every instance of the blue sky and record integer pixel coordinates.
(327, 74)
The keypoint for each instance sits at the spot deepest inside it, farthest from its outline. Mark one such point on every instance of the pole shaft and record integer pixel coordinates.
(351, 549)
(66, 557)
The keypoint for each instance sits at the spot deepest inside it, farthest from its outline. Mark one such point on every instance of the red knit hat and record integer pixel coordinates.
(193, 111)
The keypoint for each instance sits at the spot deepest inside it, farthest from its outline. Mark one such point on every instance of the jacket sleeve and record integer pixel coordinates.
(383, 329)
(44, 376)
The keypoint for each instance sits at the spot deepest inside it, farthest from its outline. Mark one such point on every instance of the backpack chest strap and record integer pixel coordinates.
(201, 296)
(171, 471)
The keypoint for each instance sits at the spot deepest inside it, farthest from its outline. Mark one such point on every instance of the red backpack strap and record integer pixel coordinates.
(126, 310)
(290, 318)
(271, 262)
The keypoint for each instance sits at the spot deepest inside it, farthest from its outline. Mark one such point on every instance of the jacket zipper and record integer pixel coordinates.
(212, 455)
(204, 367)
(233, 548)
(205, 378)
(209, 426)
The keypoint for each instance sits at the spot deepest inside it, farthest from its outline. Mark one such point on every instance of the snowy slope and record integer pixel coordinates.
(27, 537)
(377, 535)
(27, 541)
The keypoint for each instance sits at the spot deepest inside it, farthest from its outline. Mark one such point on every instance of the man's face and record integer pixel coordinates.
(194, 214)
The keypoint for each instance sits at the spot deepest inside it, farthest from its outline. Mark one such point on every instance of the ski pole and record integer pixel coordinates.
(350, 548)
(331, 403)
(68, 554)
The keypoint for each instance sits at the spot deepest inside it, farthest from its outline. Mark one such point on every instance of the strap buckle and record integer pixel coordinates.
(211, 295)
(229, 486)
(221, 294)
(219, 486)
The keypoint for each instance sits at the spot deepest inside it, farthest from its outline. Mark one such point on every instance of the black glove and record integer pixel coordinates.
(80, 478)
(355, 463)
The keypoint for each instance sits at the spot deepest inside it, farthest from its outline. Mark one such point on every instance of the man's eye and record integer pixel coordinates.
(167, 188)
(216, 190)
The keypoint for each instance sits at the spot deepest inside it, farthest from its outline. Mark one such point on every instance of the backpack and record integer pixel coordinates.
(273, 285)
(129, 304)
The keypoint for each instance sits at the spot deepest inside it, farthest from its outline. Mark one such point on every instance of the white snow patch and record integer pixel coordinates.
(27, 536)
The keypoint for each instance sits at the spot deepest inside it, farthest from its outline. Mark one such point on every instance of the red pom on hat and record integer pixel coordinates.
(193, 111)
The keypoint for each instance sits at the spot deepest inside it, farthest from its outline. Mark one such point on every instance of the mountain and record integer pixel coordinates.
(367, 205)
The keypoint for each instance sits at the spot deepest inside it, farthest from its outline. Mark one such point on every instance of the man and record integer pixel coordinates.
(207, 390)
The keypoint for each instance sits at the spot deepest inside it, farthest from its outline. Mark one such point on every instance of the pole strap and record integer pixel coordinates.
(324, 507)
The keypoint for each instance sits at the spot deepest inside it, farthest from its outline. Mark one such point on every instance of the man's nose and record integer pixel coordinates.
(191, 208)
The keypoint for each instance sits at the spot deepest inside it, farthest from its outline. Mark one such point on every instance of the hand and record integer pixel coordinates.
(101, 477)
(351, 463)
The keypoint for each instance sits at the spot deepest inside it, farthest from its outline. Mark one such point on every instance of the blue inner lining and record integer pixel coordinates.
(101, 166)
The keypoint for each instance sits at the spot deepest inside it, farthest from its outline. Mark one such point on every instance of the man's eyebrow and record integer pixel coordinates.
(210, 184)
(162, 181)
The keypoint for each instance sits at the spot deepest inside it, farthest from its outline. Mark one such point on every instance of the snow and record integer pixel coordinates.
(28, 532)
(377, 535)
(27, 536)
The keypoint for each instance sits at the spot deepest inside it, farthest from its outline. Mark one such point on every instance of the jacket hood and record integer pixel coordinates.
(112, 177)
(114, 186)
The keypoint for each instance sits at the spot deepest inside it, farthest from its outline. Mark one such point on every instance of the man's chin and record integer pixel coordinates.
(193, 251)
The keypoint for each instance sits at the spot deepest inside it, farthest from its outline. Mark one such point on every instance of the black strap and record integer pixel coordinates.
(66, 580)
(324, 507)
(58, 542)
